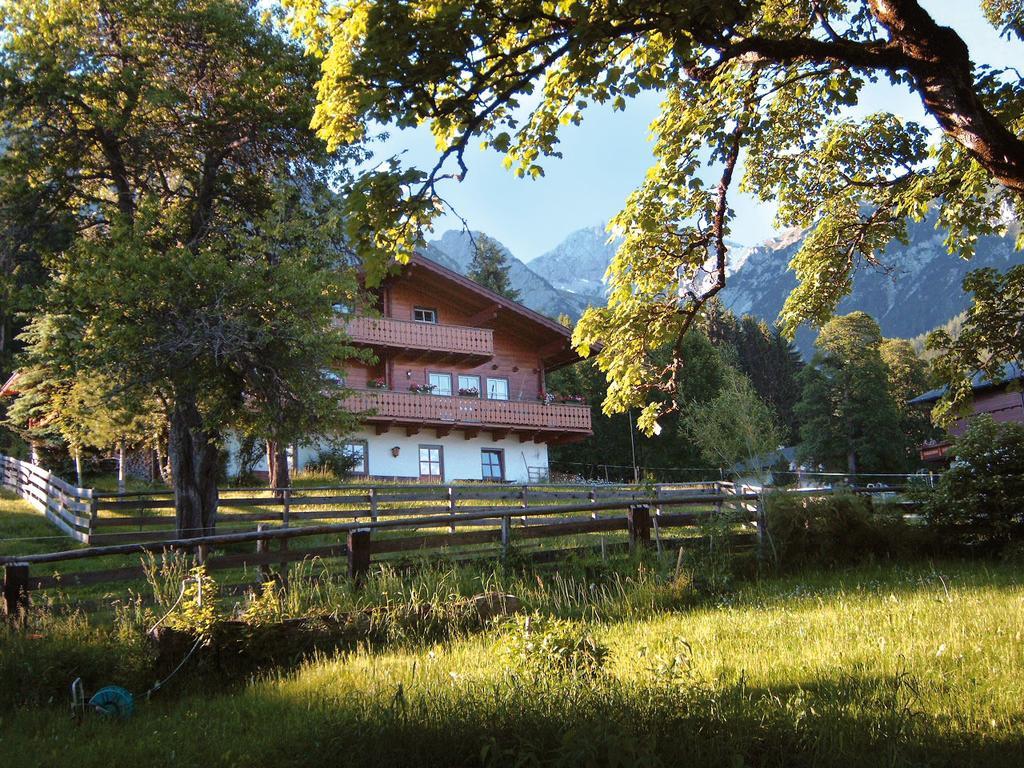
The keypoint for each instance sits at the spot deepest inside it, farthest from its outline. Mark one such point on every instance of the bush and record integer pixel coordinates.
(841, 529)
(977, 503)
(542, 646)
(333, 461)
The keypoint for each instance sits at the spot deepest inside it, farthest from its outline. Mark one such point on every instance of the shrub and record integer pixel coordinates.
(333, 461)
(541, 646)
(978, 501)
(834, 530)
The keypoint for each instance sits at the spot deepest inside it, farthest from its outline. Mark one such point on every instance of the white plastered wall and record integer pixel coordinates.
(461, 456)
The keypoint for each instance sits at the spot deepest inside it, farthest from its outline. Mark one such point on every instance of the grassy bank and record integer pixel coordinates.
(896, 665)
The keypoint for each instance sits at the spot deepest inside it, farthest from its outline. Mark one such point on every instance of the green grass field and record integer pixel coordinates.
(876, 666)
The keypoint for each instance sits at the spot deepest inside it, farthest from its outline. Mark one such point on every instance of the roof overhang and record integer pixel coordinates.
(9, 388)
(553, 339)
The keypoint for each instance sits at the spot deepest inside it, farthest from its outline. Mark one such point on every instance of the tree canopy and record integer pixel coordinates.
(849, 418)
(754, 94)
(205, 247)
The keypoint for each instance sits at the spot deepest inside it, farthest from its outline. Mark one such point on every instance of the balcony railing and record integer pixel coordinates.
(470, 412)
(426, 337)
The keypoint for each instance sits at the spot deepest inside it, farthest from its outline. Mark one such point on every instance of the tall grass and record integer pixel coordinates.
(896, 666)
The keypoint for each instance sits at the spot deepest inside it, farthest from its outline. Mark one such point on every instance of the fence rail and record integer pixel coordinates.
(643, 523)
(69, 508)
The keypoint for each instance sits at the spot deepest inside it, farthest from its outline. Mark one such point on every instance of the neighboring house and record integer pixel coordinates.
(1002, 399)
(458, 391)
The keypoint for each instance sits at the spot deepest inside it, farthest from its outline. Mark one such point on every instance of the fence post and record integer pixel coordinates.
(638, 521)
(762, 533)
(452, 500)
(262, 549)
(94, 517)
(16, 600)
(592, 498)
(506, 535)
(358, 554)
(373, 504)
(286, 501)
(526, 500)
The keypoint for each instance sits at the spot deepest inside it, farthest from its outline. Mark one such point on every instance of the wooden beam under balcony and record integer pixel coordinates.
(384, 427)
(470, 432)
(443, 431)
(412, 429)
(499, 434)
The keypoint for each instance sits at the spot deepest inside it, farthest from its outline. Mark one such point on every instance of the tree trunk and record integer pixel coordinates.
(193, 455)
(851, 463)
(278, 475)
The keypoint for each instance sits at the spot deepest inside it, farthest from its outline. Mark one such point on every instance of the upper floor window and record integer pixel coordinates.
(497, 389)
(469, 386)
(424, 315)
(441, 383)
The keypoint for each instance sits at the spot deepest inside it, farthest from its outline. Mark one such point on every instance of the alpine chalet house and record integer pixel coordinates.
(1002, 399)
(458, 391)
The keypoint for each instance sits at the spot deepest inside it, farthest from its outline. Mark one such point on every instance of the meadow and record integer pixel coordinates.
(885, 664)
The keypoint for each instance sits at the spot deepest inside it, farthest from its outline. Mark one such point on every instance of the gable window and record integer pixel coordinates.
(431, 463)
(492, 464)
(355, 451)
(424, 315)
(441, 383)
(469, 386)
(497, 389)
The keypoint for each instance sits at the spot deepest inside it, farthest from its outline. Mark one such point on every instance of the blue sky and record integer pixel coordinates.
(606, 157)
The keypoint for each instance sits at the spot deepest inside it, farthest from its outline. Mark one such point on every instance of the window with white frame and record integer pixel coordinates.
(469, 386)
(492, 464)
(424, 315)
(431, 462)
(441, 383)
(355, 451)
(497, 389)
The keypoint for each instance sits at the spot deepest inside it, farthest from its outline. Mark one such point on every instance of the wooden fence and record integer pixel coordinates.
(71, 509)
(149, 516)
(497, 528)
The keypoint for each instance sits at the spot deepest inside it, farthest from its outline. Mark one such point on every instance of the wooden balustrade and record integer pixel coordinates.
(470, 412)
(440, 339)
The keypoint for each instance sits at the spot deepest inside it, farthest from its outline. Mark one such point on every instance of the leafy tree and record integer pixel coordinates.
(705, 373)
(977, 501)
(992, 333)
(489, 268)
(174, 134)
(733, 426)
(768, 83)
(848, 417)
(907, 374)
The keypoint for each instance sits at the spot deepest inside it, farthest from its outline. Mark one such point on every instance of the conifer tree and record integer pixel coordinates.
(489, 268)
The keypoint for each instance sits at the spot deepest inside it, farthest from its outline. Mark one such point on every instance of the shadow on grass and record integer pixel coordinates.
(845, 721)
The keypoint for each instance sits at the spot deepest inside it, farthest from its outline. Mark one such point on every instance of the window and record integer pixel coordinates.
(342, 308)
(356, 451)
(497, 389)
(492, 465)
(424, 315)
(431, 462)
(441, 383)
(469, 386)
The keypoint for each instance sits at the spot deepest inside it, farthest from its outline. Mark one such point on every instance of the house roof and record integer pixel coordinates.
(8, 389)
(555, 338)
(979, 382)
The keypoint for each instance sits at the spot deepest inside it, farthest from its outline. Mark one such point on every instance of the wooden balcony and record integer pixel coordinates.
(425, 341)
(529, 420)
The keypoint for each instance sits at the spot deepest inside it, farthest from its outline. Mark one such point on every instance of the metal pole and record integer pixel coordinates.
(632, 448)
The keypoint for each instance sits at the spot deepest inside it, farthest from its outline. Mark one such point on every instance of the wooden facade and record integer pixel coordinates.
(1002, 400)
(439, 328)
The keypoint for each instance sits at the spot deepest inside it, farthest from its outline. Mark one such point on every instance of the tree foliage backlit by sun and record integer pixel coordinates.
(767, 82)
